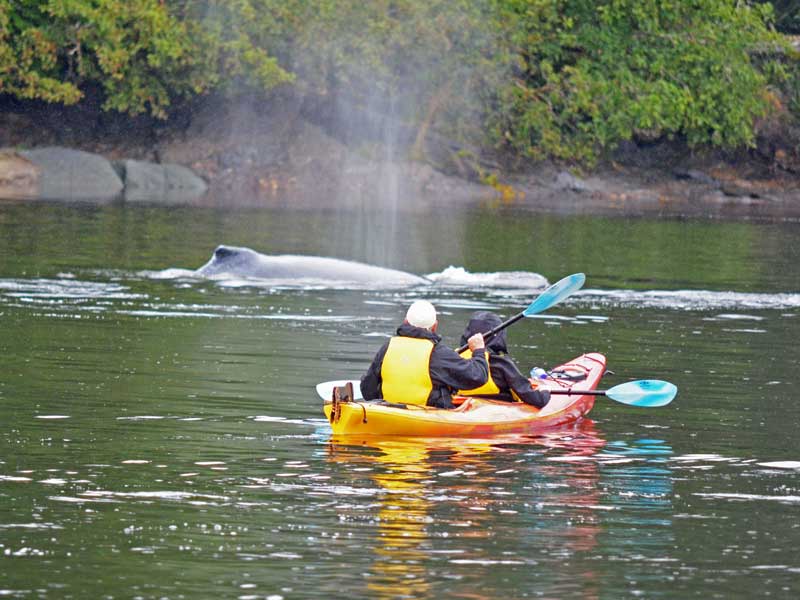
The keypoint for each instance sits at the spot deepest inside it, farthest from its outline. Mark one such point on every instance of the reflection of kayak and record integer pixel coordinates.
(476, 416)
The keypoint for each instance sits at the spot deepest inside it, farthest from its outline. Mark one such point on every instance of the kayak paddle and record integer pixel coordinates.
(644, 392)
(550, 297)
(557, 292)
(325, 389)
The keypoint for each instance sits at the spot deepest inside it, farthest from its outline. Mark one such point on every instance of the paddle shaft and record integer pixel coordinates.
(553, 295)
(644, 392)
(496, 330)
(579, 392)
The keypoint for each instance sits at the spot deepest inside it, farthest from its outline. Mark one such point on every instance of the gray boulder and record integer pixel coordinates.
(567, 181)
(19, 177)
(151, 182)
(67, 174)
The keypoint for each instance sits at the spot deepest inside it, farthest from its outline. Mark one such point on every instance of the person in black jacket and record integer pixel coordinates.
(414, 367)
(505, 381)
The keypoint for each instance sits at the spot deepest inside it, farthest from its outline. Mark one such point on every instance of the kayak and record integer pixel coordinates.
(476, 417)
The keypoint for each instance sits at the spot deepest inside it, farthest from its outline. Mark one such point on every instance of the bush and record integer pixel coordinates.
(567, 79)
(140, 54)
(592, 74)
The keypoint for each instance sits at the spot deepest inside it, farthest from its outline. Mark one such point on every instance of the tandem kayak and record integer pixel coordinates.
(476, 417)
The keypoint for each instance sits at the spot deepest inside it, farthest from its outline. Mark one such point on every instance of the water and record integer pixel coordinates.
(162, 438)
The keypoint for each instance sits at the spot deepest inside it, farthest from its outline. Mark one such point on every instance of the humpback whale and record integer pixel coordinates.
(244, 262)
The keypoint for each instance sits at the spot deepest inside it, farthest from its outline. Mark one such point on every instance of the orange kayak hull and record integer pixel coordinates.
(477, 417)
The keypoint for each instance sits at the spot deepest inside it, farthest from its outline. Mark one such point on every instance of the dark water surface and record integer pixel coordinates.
(161, 437)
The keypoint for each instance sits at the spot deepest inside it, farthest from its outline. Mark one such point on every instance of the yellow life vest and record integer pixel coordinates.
(405, 372)
(487, 389)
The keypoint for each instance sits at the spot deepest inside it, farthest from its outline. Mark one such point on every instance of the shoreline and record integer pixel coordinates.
(250, 156)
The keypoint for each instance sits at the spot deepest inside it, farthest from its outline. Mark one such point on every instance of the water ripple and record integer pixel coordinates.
(688, 299)
(751, 497)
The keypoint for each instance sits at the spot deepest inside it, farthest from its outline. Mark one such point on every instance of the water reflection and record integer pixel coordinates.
(403, 516)
(642, 476)
(496, 506)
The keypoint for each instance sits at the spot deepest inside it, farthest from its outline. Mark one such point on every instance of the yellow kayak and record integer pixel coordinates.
(476, 417)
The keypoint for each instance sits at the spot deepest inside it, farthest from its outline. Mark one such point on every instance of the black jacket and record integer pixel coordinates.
(507, 377)
(503, 370)
(448, 371)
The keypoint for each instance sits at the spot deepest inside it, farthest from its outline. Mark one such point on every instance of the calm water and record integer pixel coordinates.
(161, 437)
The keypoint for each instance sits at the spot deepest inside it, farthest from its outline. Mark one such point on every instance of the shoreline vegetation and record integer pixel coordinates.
(677, 108)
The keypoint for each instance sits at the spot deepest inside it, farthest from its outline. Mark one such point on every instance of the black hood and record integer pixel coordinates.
(481, 322)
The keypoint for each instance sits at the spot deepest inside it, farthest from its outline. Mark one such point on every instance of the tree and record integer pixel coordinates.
(787, 15)
(28, 58)
(566, 79)
(593, 73)
(140, 54)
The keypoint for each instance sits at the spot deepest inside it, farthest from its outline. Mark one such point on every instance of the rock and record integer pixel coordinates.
(226, 140)
(145, 182)
(19, 177)
(183, 181)
(567, 181)
(312, 147)
(696, 176)
(142, 180)
(740, 189)
(67, 174)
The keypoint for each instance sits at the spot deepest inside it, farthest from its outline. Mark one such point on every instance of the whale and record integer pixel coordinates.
(238, 262)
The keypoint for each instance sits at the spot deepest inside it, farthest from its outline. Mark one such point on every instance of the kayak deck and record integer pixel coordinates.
(476, 417)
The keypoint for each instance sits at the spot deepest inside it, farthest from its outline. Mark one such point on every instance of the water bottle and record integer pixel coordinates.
(538, 373)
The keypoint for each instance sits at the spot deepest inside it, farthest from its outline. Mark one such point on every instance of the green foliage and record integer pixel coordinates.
(28, 57)
(141, 55)
(792, 87)
(567, 79)
(541, 78)
(424, 61)
(234, 34)
(787, 15)
(595, 73)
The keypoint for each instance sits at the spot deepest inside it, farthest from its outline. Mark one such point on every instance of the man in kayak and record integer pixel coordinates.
(414, 367)
(505, 381)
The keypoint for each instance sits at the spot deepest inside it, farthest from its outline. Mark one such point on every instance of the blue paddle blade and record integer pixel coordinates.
(556, 293)
(645, 392)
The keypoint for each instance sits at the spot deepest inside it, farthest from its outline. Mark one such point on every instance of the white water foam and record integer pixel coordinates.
(71, 289)
(690, 300)
(512, 283)
(171, 273)
(781, 464)
(268, 418)
(30, 526)
(72, 296)
(156, 494)
(459, 277)
(733, 496)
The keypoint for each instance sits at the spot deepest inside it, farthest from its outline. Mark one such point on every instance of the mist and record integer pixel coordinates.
(400, 85)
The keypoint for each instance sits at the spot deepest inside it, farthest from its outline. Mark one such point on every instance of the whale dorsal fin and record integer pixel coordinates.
(224, 251)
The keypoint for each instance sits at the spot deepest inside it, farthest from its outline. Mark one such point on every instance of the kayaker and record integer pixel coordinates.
(414, 367)
(505, 381)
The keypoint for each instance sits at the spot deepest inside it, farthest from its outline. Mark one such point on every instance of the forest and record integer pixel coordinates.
(525, 79)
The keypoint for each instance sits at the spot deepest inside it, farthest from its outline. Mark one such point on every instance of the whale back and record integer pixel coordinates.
(246, 263)
(229, 260)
